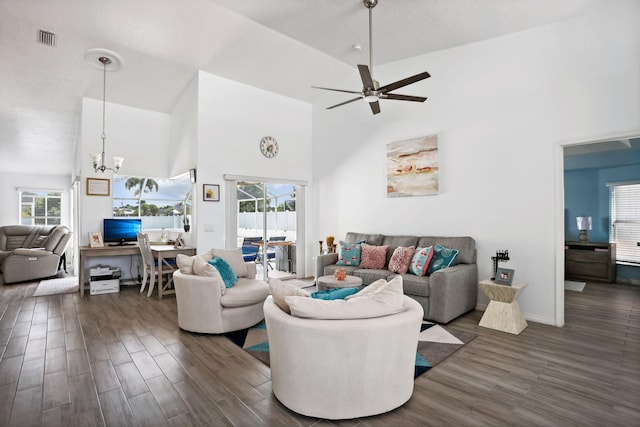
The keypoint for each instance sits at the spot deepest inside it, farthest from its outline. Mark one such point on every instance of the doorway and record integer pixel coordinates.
(586, 170)
(267, 222)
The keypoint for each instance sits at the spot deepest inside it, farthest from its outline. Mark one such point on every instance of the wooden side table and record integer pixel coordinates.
(503, 312)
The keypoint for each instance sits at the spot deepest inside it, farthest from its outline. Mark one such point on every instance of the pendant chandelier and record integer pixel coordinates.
(107, 61)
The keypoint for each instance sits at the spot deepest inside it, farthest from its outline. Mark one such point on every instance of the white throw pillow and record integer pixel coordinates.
(369, 289)
(234, 259)
(280, 290)
(385, 301)
(203, 268)
(185, 262)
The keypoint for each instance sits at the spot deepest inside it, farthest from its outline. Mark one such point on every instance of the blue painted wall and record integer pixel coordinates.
(586, 193)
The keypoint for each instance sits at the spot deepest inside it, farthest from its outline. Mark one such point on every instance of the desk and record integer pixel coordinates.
(162, 252)
(106, 251)
(159, 251)
(503, 312)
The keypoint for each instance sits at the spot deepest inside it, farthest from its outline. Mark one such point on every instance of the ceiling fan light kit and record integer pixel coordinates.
(371, 91)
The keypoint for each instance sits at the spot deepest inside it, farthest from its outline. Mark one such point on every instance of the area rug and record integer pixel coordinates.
(574, 286)
(64, 285)
(435, 344)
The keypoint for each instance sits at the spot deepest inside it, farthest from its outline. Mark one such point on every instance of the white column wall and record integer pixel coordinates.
(232, 119)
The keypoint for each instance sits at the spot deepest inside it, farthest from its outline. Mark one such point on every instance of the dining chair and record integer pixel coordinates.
(250, 251)
(151, 268)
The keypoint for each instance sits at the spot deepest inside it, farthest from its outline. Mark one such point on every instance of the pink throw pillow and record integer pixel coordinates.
(373, 256)
(401, 258)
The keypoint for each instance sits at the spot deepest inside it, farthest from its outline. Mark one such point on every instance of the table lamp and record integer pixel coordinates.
(584, 224)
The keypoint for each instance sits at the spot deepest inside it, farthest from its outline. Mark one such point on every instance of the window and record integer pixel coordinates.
(40, 207)
(160, 202)
(625, 220)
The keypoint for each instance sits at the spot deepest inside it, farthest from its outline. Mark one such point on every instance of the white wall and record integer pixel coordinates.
(10, 182)
(142, 137)
(500, 108)
(232, 119)
(184, 131)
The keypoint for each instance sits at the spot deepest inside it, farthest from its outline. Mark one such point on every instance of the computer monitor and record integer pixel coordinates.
(121, 230)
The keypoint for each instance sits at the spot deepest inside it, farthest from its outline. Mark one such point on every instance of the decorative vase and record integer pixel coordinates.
(340, 274)
(320, 241)
(186, 228)
(330, 244)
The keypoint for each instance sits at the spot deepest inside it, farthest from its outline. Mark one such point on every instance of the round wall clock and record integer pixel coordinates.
(269, 146)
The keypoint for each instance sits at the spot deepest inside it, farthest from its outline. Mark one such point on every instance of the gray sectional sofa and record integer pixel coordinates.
(444, 295)
(29, 252)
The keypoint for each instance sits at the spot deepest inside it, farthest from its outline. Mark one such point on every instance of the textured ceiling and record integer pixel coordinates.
(283, 46)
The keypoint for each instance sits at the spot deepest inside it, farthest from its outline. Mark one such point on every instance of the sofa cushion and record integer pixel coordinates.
(280, 289)
(387, 300)
(415, 285)
(466, 247)
(234, 258)
(401, 258)
(371, 239)
(226, 272)
(245, 292)
(421, 261)
(394, 241)
(442, 258)
(349, 254)
(371, 275)
(373, 256)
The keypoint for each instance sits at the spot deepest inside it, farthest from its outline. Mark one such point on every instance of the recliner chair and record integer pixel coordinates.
(29, 252)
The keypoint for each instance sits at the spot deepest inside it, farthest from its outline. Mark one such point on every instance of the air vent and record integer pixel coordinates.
(46, 38)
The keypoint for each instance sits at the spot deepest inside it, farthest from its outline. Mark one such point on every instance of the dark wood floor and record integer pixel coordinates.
(120, 359)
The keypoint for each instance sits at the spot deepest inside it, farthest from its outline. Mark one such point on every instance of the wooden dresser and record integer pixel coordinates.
(590, 261)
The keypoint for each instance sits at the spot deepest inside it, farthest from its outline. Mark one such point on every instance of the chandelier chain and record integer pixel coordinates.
(104, 101)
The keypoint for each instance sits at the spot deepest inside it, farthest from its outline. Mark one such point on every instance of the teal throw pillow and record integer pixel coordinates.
(335, 293)
(421, 260)
(349, 254)
(228, 275)
(442, 258)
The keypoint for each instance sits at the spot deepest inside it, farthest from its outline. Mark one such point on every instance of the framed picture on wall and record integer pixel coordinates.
(504, 276)
(98, 187)
(210, 192)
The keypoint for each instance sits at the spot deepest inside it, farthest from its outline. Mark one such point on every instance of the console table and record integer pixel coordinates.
(503, 312)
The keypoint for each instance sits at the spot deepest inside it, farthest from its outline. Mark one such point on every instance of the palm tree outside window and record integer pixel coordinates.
(159, 202)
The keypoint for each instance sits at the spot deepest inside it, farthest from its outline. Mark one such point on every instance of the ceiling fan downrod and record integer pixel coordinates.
(370, 4)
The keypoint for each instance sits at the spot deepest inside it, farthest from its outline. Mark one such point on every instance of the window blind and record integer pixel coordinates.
(624, 209)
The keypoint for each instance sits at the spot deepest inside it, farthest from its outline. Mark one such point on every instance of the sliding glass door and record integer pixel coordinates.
(267, 226)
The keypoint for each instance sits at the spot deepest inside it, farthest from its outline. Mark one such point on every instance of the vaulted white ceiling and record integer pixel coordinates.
(284, 46)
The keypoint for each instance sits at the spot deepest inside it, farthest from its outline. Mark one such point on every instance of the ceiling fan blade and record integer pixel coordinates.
(404, 82)
(375, 107)
(336, 90)
(365, 75)
(345, 102)
(403, 97)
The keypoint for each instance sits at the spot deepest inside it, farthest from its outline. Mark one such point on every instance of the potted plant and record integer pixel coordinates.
(185, 223)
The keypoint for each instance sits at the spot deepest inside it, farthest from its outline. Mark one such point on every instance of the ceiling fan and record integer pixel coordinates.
(371, 91)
